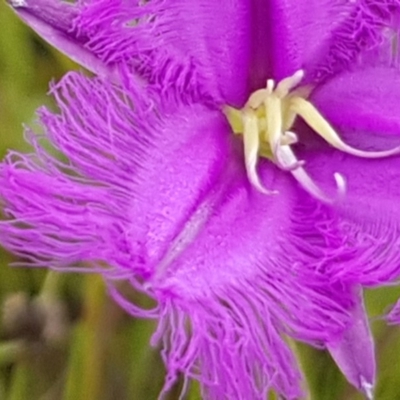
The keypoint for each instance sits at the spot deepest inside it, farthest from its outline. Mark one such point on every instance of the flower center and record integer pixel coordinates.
(265, 122)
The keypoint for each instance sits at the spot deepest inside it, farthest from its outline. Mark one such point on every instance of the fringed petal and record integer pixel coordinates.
(368, 26)
(160, 194)
(246, 283)
(325, 37)
(231, 349)
(158, 190)
(131, 165)
(354, 351)
(201, 49)
(196, 48)
(367, 218)
(366, 222)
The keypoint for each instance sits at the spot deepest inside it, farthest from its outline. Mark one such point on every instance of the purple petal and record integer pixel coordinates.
(200, 48)
(325, 37)
(53, 21)
(126, 176)
(247, 278)
(361, 107)
(160, 194)
(247, 246)
(354, 351)
(362, 100)
(367, 220)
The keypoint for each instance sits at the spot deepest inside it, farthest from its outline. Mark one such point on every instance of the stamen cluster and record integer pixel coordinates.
(266, 123)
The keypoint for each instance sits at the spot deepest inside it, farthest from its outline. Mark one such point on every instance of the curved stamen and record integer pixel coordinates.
(257, 98)
(321, 126)
(270, 86)
(287, 84)
(306, 181)
(265, 123)
(251, 144)
(289, 138)
(273, 112)
(282, 161)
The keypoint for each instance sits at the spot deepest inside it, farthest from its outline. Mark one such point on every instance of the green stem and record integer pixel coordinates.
(87, 367)
(51, 285)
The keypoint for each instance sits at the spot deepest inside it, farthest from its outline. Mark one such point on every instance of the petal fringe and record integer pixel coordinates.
(192, 49)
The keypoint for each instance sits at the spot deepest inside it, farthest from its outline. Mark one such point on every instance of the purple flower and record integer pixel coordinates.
(244, 240)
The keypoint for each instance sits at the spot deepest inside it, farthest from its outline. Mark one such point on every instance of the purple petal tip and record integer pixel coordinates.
(367, 389)
(17, 3)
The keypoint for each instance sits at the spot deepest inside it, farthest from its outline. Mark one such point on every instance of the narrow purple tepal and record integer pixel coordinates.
(237, 161)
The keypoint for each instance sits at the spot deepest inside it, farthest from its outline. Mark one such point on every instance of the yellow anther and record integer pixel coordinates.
(266, 122)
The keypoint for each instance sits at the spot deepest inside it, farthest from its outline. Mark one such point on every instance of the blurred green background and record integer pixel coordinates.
(61, 338)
